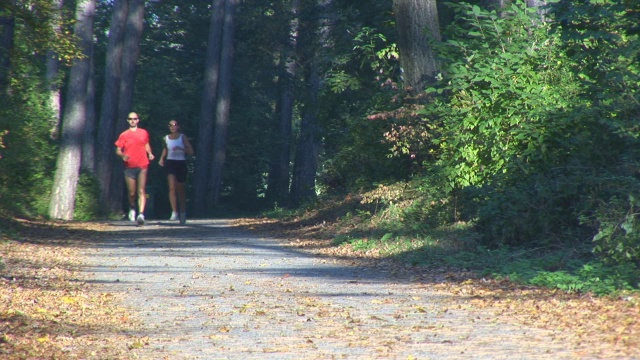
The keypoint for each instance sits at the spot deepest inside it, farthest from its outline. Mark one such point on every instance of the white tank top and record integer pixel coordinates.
(175, 154)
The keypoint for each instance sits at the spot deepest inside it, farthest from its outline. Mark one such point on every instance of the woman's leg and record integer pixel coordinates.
(182, 199)
(171, 182)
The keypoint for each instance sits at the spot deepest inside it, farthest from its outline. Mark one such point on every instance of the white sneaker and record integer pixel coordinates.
(183, 218)
(140, 220)
(132, 215)
(174, 216)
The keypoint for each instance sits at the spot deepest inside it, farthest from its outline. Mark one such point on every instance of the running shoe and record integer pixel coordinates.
(140, 220)
(183, 218)
(174, 217)
(132, 215)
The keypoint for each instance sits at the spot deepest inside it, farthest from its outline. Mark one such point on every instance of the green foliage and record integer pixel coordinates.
(28, 155)
(526, 144)
(504, 77)
(377, 52)
(41, 27)
(618, 238)
(594, 277)
(86, 206)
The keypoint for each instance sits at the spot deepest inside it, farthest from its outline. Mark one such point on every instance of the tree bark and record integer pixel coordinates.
(495, 4)
(417, 24)
(223, 105)
(89, 139)
(279, 168)
(209, 99)
(303, 183)
(130, 53)
(7, 25)
(105, 157)
(53, 73)
(68, 164)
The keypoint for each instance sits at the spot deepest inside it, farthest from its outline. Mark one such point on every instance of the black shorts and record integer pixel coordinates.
(177, 168)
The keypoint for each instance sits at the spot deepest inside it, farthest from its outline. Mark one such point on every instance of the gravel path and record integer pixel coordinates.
(208, 290)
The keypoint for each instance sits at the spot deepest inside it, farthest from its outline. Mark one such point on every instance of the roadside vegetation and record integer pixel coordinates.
(519, 163)
(382, 224)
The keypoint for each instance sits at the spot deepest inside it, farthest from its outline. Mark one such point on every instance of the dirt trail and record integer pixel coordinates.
(208, 290)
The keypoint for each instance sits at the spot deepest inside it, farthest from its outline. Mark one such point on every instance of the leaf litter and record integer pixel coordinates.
(47, 311)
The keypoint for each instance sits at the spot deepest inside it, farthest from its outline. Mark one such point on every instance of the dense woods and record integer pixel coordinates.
(520, 118)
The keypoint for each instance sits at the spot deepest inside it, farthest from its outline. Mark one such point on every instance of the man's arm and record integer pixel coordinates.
(121, 154)
(147, 148)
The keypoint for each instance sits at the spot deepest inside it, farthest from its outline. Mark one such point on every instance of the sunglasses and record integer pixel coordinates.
(132, 118)
(170, 125)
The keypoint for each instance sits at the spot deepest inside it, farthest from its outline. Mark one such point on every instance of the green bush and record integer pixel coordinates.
(618, 238)
(596, 277)
(532, 141)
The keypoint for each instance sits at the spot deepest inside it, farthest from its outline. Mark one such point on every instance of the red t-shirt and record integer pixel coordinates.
(133, 144)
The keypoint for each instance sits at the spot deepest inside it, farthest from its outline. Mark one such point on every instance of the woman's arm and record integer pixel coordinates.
(188, 149)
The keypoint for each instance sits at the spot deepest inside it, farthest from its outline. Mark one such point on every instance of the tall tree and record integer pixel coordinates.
(7, 24)
(417, 25)
(223, 103)
(303, 186)
(88, 140)
(209, 99)
(278, 180)
(53, 71)
(130, 54)
(69, 158)
(305, 166)
(105, 157)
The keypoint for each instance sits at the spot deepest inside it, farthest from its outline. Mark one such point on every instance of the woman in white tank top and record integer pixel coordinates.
(174, 160)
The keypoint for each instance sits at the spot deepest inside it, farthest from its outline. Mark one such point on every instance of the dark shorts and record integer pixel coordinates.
(177, 168)
(132, 172)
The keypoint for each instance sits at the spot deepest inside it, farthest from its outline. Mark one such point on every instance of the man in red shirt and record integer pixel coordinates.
(134, 149)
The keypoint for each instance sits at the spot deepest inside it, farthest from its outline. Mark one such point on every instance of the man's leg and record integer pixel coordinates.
(142, 193)
(131, 196)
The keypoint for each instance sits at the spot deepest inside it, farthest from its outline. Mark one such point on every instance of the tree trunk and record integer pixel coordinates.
(68, 164)
(303, 183)
(105, 155)
(209, 96)
(53, 73)
(538, 4)
(417, 24)
(7, 24)
(89, 139)
(494, 4)
(130, 54)
(223, 105)
(278, 181)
